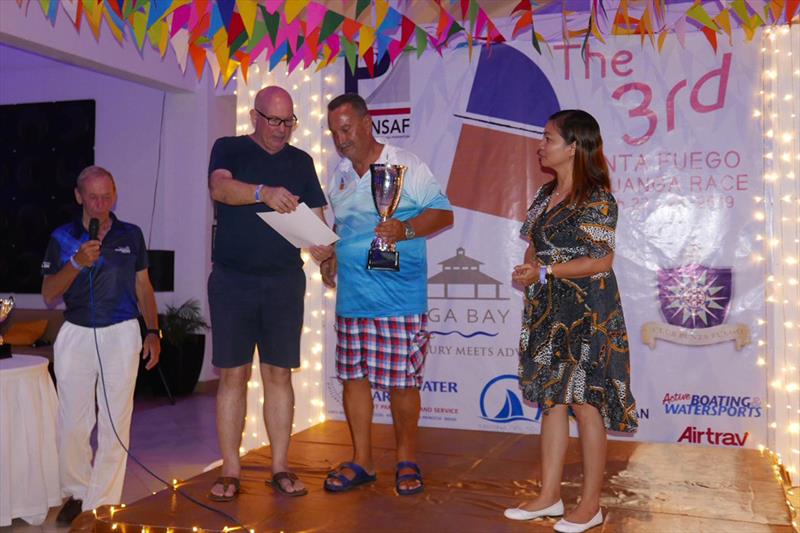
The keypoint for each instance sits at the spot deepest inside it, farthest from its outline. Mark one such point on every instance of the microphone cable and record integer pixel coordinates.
(174, 488)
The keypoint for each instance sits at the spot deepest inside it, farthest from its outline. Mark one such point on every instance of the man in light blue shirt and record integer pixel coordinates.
(380, 315)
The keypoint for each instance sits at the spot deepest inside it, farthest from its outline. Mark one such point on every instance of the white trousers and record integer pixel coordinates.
(79, 386)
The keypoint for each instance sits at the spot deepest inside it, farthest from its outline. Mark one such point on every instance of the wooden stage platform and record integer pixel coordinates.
(471, 477)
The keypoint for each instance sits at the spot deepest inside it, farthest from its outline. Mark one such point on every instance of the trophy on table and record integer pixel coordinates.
(6, 305)
(387, 187)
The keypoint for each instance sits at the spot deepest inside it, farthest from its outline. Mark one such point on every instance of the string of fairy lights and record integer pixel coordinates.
(310, 93)
(779, 210)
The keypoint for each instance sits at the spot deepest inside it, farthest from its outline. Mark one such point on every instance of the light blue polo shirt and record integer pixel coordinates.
(363, 293)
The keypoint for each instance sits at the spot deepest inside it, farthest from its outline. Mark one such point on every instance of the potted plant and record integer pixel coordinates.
(182, 348)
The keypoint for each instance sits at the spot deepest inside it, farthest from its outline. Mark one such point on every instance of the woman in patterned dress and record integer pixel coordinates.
(573, 346)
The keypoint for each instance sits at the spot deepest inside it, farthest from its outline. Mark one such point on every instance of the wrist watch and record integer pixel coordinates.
(410, 233)
(154, 331)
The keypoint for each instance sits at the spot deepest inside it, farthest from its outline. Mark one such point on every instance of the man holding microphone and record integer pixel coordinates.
(98, 265)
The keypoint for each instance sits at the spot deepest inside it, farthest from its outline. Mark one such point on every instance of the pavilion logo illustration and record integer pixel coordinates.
(694, 301)
(461, 279)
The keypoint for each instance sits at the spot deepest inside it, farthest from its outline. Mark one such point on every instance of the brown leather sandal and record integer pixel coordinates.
(292, 477)
(226, 482)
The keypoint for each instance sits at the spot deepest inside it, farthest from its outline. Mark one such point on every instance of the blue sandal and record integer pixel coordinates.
(416, 476)
(361, 478)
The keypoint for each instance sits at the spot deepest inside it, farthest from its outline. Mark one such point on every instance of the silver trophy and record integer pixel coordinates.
(6, 305)
(387, 187)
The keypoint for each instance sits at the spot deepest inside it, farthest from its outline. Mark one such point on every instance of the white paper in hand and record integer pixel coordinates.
(302, 227)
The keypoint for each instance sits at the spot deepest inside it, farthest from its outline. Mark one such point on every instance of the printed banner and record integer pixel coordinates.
(683, 150)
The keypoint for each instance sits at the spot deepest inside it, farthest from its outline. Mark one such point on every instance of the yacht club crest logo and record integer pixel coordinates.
(695, 300)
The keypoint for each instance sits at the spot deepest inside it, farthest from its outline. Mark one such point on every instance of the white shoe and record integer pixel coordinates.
(557, 509)
(563, 526)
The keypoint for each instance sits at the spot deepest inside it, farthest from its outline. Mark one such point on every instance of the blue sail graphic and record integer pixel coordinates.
(512, 407)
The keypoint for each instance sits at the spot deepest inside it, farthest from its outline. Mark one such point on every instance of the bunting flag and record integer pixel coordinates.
(624, 24)
(248, 10)
(482, 21)
(361, 6)
(397, 47)
(699, 14)
(749, 23)
(227, 36)
(70, 8)
(350, 53)
(526, 21)
(723, 21)
(791, 10)
(645, 26)
(330, 23)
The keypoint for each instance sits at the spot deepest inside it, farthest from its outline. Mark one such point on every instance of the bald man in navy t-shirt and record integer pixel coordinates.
(257, 286)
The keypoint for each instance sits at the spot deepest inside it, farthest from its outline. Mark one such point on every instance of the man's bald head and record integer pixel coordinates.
(272, 103)
(273, 95)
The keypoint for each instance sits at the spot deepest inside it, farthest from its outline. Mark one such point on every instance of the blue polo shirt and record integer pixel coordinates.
(123, 253)
(364, 293)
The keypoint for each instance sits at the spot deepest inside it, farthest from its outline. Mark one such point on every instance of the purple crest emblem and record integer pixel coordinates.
(695, 296)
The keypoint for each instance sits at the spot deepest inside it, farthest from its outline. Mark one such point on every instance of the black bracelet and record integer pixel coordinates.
(156, 332)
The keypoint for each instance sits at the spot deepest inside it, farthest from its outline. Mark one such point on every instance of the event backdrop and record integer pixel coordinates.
(684, 156)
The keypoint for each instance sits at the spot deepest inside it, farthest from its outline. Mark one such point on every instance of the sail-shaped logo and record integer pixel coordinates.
(496, 168)
(500, 401)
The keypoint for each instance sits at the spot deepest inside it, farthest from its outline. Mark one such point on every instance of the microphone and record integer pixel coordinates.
(94, 229)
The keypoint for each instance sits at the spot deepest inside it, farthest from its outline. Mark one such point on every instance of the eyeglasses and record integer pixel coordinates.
(277, 121)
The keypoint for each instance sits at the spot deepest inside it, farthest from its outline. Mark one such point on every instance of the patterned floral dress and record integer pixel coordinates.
(574, 346)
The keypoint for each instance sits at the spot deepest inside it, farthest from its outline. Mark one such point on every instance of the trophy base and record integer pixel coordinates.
(383, 260)
(5, 351)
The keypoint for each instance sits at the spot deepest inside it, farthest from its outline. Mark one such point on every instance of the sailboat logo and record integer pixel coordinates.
(496, 168)
(501, 403)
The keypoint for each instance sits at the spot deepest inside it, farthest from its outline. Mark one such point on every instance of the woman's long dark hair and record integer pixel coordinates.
(590, 170)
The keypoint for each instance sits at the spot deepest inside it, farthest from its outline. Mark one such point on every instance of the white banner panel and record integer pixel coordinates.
(685, 159)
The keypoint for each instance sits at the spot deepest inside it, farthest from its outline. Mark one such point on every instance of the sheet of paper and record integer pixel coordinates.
(302, 227)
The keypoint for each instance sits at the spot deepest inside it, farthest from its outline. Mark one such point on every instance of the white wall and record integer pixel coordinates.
(127, 135)
(26, 28)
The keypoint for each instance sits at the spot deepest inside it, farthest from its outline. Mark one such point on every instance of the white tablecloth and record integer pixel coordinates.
(29, 483)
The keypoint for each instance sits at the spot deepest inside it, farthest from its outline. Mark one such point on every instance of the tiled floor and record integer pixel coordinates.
(174, 441)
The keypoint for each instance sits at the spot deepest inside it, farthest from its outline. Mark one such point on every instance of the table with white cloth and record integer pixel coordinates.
(29, 482)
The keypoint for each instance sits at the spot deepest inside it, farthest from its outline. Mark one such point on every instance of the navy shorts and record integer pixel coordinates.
(249, 310)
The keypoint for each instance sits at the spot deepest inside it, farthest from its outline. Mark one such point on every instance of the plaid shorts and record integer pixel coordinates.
(389, 351)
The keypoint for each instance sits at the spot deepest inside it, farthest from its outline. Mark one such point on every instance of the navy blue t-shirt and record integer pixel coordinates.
(123, 253)
(243, 242)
